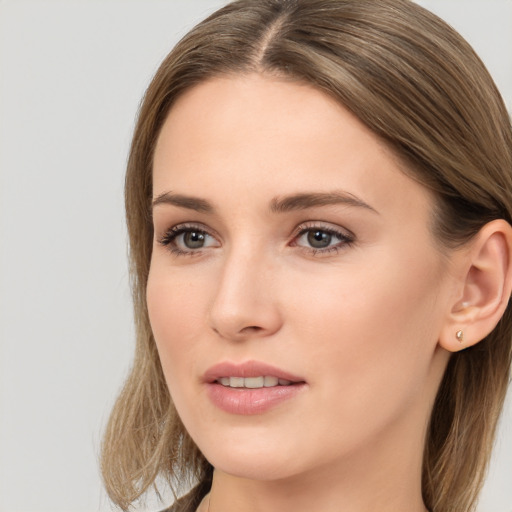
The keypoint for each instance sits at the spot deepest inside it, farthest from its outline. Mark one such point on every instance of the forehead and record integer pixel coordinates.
(256, 136)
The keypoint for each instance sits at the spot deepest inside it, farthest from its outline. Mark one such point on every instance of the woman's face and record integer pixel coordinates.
(289, 245)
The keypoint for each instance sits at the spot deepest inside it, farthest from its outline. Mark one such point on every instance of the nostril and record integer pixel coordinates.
(252, 328)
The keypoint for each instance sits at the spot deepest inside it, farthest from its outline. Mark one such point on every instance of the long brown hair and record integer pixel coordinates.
(419, 86)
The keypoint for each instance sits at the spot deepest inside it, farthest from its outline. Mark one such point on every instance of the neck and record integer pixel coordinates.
(362, 483)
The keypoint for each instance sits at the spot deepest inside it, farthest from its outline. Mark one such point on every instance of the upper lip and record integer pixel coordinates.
(247, 369)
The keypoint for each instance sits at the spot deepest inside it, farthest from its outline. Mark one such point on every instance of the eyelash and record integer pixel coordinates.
(346, 239)
(169, 238)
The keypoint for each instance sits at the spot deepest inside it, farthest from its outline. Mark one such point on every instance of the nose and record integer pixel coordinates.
(245, 304)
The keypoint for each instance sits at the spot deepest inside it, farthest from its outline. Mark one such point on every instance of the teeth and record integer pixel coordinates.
(270, 381)
(236, 382)
(254, 382)
(267, 381)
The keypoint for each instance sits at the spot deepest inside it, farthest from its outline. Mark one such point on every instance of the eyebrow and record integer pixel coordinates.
(301, 201)
(188, 202)
(310, 200)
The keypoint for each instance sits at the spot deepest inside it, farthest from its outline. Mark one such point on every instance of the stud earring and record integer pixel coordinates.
(460, 335)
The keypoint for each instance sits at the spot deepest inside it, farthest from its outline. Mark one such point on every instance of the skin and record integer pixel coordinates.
(360, 322)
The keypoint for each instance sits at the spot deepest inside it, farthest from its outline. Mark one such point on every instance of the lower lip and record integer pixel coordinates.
(246, 401)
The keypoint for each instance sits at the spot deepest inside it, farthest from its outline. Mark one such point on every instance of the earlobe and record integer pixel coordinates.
(486, 284)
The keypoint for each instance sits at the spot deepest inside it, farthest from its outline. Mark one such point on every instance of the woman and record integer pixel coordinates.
(318, 199)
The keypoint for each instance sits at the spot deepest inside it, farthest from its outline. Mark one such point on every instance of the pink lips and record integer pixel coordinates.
(245, 401)
(247, 369)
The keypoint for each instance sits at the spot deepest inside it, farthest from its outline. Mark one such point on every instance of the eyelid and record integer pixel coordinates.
(324, 226)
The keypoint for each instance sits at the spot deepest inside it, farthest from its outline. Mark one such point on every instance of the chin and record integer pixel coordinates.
(251, 454)
(251, 466)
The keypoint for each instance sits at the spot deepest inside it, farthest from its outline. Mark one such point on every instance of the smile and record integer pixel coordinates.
(251, 387)
(267, 381)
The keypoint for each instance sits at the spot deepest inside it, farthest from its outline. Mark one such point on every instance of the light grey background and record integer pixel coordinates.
(71, 77)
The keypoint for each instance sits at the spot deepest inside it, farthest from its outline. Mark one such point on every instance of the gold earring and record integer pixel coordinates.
(460, 335)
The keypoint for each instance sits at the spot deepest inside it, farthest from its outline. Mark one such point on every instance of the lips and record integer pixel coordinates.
(251, 387)
(266, 381)
(249, 369)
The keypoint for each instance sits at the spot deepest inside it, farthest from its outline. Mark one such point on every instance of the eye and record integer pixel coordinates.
(319, 239)
(322, 239)
(183, 239)
(193, 239)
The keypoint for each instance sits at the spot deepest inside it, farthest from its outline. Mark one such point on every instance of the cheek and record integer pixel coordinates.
(374, 332)
(177, 316)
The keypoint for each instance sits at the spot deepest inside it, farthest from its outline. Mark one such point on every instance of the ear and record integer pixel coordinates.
(485, 287)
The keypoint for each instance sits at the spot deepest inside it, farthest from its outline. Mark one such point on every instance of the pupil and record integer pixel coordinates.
(319, 239)
(193, 239)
